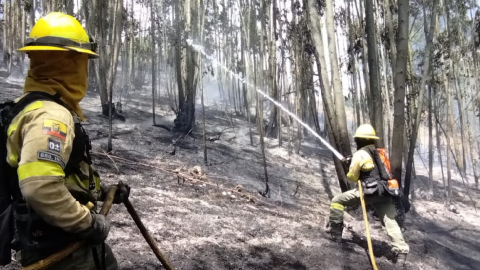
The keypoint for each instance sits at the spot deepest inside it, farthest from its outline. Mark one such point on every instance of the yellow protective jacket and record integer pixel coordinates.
(361, 162)
(40, 141)
(39, 144)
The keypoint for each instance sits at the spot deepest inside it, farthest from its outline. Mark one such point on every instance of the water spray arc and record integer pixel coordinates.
(212, 58)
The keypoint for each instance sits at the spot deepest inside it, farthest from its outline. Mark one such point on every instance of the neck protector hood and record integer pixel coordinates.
(65, 73)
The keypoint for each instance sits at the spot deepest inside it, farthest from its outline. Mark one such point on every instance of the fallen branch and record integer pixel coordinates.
(113, 135)
(187, 134)
(113, 161)
(216, 138)
(174, 143)
(296, 190)
(169, 129)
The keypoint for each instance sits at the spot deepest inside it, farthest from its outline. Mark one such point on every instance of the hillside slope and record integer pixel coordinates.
(205, 223)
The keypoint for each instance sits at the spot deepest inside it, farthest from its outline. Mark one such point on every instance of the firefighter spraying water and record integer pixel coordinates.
(369, 167)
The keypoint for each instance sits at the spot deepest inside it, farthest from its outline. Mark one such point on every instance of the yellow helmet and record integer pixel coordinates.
(366, 131)
(60, 32)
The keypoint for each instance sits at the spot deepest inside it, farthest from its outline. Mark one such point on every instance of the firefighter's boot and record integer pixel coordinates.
(335, 230)
(401, 259)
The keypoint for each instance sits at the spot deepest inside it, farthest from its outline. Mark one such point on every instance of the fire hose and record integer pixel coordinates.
(107, 205)
(365, 218)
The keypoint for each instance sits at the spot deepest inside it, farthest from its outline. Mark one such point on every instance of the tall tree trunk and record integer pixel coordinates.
(205, 154)
(9, 27)
(282, 81)
(33, 9)
(260, 127)
(361, 97)
(298, 98)
(69, 7)
(130, 66)
(472, 147)
(325, 88)
(113, 68)
(245, 45)
(102, 62)
(430, 143)
(439, 149)
(154, 56)
(273, 122)
(418, 113)
(449, 169)
(461, 121)
(6, 24)
(178, 55)
(376, 92)
(388, 114)
(449, 131)
(22, 35)
(391, 36)
(400, 84)
(341, 118)
(193, 23)
(364, 64)
(451, 121)
(356, 102)
(353, 66)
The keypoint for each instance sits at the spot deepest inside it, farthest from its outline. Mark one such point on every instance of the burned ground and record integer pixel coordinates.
(208, 224)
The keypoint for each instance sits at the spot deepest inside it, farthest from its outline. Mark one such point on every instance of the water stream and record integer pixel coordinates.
(212, 58)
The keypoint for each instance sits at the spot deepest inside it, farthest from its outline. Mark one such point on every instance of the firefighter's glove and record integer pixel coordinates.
(98, 232)
(347, 161)
(120, 196)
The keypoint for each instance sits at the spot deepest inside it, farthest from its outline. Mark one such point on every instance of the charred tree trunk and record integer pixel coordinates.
(178, 56)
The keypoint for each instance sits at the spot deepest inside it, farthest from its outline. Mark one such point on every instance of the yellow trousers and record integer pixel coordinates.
(385, 210)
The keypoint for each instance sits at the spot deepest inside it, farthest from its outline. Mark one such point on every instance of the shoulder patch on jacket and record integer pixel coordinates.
(54, 145)
(55, 128)
(43, 155)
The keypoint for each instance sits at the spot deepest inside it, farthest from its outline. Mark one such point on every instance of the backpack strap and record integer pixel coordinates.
(81, 143)
(373, 152)
(9, 112)
(27, 100)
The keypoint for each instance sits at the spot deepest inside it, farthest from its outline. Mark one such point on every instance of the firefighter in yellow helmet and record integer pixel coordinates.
(49, 152)
(369, 165)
